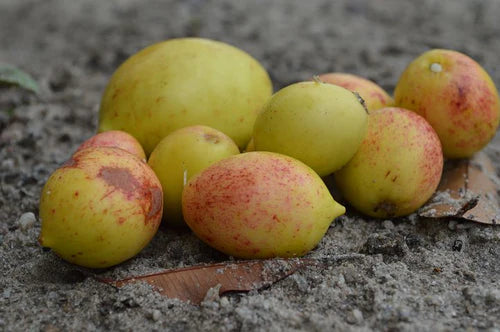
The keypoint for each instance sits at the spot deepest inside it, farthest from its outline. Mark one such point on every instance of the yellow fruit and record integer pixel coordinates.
(115, 139)
(317, 123)
(397, 168)
(259, 205)
(374, 96)
(182, 154)
(184, 82)
(456, 96)
(100, 208)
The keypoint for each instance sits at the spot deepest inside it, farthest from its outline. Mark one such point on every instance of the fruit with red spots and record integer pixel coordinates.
(320, 124)
(115, 139)
(456, 95)
(100, 208)
(181, 155)
(184, 82)
(397, 168)
(374, 96)
(259, 205)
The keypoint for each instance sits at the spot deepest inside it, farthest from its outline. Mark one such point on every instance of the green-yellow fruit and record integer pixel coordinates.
(319, 124)
(183, 82)
(396, 169)
(100, 208)
(181, 155)
(259, 205)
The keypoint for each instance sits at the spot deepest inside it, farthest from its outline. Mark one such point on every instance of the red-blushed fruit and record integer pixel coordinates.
(456, 96)
(397, 168)
(100, 208)
(115, 139)
(258, 205)
(374, 96)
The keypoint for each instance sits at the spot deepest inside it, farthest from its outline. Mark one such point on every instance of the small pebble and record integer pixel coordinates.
(224, 302)
(156, 315)
(388, 224)
(26, 221)
(355, 317)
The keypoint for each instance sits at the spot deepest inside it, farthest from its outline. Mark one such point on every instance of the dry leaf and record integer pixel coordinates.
(194, 284)
(468, 190)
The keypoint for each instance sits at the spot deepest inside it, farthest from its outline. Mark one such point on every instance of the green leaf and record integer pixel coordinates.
(13, 76)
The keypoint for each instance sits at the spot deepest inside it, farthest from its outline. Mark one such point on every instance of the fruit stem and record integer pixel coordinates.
(317, 79)
(362, 101)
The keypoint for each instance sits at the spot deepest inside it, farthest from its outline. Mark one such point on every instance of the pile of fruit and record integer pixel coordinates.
(191, 105)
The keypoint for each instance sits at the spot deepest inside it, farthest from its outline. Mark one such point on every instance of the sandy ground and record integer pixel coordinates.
(414, 278)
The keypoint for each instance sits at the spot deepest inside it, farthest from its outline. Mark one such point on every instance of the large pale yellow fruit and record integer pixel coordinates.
(396, 169)
(456, 95)
(181, 155)
(320, 124)
(183, 82)
(100, 208)
(259, 205)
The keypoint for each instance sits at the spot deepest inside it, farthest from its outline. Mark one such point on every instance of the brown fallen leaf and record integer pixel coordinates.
(468, 190)
(193, 284)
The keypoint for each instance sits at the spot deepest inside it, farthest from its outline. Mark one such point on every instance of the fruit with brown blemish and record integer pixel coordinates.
(259, 205)
(115, 139)
(100, 208)
(181, 155)
(397, 168)
(317, 123)
(374, 96)
(456, 96)
(184, 82)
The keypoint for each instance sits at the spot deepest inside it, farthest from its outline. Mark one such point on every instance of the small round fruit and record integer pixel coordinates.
(317, 123)
(100, 208)
(456, 96)
(397, 168)
(259, 205)
(182, 154)
(374, 96)
(184, 82)
(115, 139)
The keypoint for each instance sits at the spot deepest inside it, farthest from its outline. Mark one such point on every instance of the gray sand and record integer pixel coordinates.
(414, 276)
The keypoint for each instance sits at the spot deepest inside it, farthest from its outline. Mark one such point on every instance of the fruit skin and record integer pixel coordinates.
(317, 123)
(100, 208)
(461, 101)
(183, 82)
(115, 139)
(374, 96)
(397, 168)
(186, 151)
(259, 205)
(250, 146)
